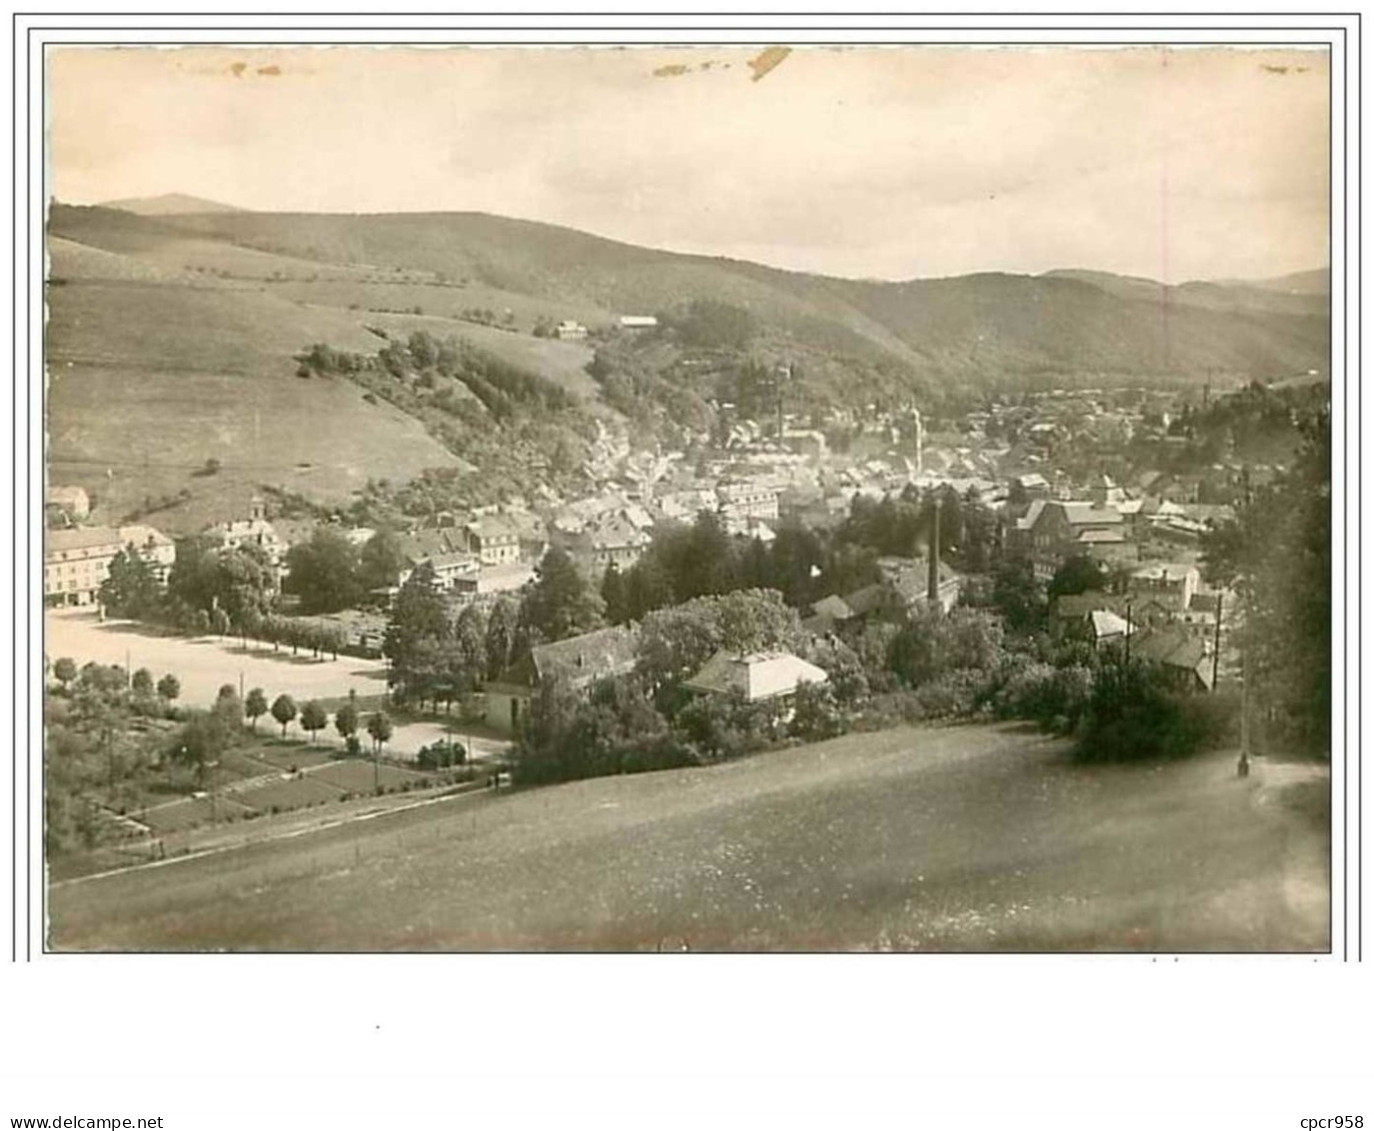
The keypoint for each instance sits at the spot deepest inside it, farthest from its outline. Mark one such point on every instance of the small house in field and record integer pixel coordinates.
(756, 676)
(638, 322)
(578, 663)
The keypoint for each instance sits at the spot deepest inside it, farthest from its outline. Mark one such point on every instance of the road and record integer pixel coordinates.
(958, 839)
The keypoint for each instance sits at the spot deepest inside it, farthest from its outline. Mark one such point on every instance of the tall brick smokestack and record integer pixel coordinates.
(933, 574)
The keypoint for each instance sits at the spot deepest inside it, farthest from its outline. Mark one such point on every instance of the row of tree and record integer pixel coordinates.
(206, 735)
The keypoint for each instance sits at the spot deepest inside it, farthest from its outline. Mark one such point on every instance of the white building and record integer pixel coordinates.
(70, 500)
(255, 530)
(495, 540)
(747, 501)
(453, 573)
(76, 561)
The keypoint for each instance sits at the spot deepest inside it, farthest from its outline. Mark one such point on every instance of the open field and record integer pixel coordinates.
(149, 381)
(205, 663)
(973, 838)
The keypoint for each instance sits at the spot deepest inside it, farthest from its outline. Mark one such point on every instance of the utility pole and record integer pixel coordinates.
(1128, 632)
(933, 566)
(1216, 646)
(1243, 762)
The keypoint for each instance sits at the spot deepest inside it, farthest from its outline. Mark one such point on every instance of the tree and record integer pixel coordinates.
(201, 742)
(142, 683)
(613, 595)
(130, 588)
(313, 719)
(1019, 597)
(418, 622)
(346, 721)
(466, 653)
(1080, 574)
(702, 562)
(324, 572)
(379, 727)
(713, 324)
(64, 670)
(194, 577)
(283, 710)
(423, 349)
(254, 706)
(560, 603)
(1277, 556)
(246, 582)
(229, 707)
(169, 687)
(500, 638)
(380, 561)
(934, 644)
(1131, 714)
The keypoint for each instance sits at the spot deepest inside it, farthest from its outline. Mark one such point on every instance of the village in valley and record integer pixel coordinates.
(778, 578)
(428, 570)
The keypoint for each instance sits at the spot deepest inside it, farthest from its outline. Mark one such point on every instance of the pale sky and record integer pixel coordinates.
(889, 163)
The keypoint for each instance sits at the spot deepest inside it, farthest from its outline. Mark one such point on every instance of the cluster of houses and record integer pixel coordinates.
(1163, 614)
(752, 477)
(579, 662)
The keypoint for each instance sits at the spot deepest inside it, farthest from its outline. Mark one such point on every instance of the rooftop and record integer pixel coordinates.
(756, 675)
(581, 660)
(80, 538)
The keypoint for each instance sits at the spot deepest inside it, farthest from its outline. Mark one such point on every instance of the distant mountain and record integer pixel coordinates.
(146, 307)
(1304, 293)
(169, 204)
(989, 325)
(1316, 282)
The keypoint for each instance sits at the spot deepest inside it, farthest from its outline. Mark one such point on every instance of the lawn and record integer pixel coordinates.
(973, 838)
(148, 381)
(283, 794)
(290, 755)
(193, 811)
(357, 777)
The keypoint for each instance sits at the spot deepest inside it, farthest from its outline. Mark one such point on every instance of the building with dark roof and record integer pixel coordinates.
(577, 663)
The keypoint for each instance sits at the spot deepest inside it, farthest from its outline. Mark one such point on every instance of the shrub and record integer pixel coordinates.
(956, 694)
(441, 755)
(1053, 697)
(1132, 714)
(817, 715)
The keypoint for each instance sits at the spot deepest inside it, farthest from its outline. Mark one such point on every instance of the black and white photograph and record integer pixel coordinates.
(864, 498)
(676, 569)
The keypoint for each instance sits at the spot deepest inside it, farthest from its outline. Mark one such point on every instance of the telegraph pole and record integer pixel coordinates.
(1128, 632)
(1216, 646)
(1243, 763)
